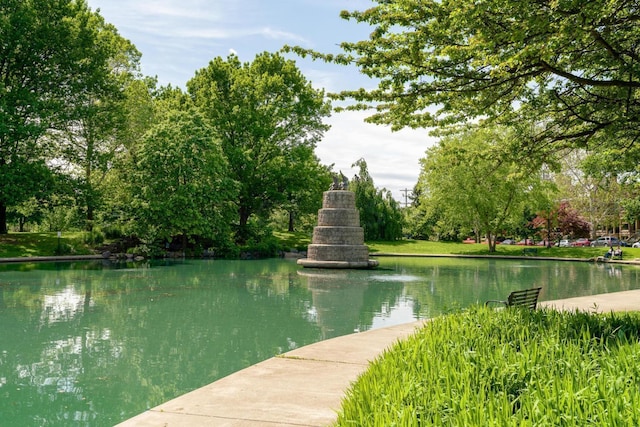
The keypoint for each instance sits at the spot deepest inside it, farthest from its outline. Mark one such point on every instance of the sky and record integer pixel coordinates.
(179, 37)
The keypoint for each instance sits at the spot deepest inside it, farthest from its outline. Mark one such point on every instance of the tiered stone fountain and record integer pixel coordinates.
(338, 240)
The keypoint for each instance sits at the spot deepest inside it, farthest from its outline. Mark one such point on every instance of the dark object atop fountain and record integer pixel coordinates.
(340, 182)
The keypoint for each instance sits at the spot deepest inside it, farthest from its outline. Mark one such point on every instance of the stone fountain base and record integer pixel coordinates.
(338, 240)
(305, 262)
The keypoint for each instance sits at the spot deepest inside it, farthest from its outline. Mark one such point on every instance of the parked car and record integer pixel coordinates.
(525, 242)
(636, 245)
(635, 238)
(507, 242)
(605, 241)
(581, 242)
(564, 243)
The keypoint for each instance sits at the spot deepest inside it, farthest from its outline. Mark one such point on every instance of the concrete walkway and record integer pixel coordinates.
(305, 387)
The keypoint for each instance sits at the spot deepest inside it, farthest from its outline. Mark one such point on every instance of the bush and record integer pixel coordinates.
(267, 247)
(113, 231)
(63, 249)
(487, 367)
(93, 237)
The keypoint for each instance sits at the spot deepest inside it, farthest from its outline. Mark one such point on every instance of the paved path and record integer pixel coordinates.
(305, 387)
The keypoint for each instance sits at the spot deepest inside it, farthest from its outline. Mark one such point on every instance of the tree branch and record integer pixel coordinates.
(587, 82)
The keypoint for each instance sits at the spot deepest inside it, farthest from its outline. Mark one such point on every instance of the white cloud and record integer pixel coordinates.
(392, 157)
(184, 9)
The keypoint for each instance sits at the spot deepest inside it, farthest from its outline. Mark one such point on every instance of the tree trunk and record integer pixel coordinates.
(291, 216)
(242, 232)
(89, 223)
(3, 218)
(491, 241)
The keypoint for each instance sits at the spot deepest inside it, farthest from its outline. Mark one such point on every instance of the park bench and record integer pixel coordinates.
(526, 298)
(529, 251)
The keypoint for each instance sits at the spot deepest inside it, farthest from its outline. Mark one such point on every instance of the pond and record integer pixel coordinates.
(94, 343)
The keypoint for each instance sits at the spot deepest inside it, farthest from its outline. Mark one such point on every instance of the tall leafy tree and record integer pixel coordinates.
(88, 141)
(117, 187)
(308, 179)
(260, 111)
(380, 215)
(50, 58)
(478, 180)
(571, 66)
(592, 189)
(182, 185)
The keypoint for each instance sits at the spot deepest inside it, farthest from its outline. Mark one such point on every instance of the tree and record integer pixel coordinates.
(88, 141)
(631, 209)
(572, 67)
(479, 181)
(307, 180)
(49, 58)
(39, 182)
(380, 215)
(570, 222)
(182, 186)
(260, 111)
(561, 221)
(592, 188)
(117, 187)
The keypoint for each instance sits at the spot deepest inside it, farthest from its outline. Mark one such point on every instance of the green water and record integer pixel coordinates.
(92, 344)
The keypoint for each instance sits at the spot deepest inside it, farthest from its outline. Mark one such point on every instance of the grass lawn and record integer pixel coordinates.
(46, 244)
(42, 244)
(428, 247)
(301, 240)
(296, 240)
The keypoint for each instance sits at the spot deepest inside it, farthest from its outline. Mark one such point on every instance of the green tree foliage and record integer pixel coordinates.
(380, 215)
(261, 111)
(42, 184)
(479, 181)
(570, 66)
(420, 223)
(306, 183)
(20, 180)
(117, 187)
(631, 208)
(89, 140)
(50, 58)
(181, 180)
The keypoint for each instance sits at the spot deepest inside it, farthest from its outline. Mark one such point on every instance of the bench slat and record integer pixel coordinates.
(522, 298)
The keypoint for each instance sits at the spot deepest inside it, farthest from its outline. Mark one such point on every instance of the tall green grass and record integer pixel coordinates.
(511, 367)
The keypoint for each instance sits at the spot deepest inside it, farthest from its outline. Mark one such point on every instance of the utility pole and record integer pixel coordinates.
(406, 192)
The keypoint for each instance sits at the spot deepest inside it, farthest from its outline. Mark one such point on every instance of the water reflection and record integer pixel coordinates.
(92, 344)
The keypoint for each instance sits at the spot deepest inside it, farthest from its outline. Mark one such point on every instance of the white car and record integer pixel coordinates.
(564, 243)
(636, 244)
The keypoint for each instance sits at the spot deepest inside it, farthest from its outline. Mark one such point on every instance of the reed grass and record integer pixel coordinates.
(512, 367)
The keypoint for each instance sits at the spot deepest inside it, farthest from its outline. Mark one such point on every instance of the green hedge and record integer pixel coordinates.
(484, 367)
